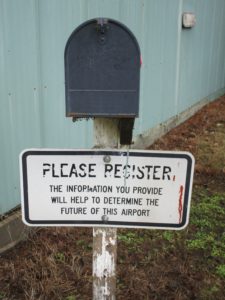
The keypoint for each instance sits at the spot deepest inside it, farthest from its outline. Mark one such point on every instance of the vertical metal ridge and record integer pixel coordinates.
(178, 57)
(38, 95)
(143, 55)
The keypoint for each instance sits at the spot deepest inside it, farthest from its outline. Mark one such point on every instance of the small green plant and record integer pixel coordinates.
(214, 289)
(71, 297)
(127, 238)
(2, 295)
(202, 240)
(218, 249)
(83, 244)
(168, 235)
(130, 238)
(220, 270)
(210, 292)
(59, 256)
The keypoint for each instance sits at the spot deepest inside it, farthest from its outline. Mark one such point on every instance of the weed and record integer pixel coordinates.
(128, 237)
(132, 241)
(214, 289)
(220, 270)
(71, 297)
(201, 241)
(207, 218)
(218, 250)
(83, 244)
(168, 235)
(2, 295)
(59, 257)
(210, 292)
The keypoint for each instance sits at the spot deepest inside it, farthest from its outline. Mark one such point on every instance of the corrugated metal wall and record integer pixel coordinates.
(180, 67)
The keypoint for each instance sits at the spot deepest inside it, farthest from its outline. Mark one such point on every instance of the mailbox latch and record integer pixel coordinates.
(102, 27)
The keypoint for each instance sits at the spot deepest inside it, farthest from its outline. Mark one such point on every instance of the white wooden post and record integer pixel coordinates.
(106, 135)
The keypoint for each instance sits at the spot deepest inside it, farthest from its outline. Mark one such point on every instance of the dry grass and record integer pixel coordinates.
(48, 267)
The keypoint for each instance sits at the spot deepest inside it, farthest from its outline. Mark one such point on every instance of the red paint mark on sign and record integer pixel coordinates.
(174, 177)
(180, 205)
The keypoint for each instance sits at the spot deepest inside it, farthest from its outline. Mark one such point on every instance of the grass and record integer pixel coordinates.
(207, 218)
(130, 239)
(201, 247)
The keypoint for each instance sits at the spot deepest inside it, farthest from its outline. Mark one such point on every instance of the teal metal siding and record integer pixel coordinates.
(180, 67)
(202, 58)
(159, 50)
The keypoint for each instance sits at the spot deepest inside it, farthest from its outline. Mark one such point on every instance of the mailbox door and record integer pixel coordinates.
(102, 71)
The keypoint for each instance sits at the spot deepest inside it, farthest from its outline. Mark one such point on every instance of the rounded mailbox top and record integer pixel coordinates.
(102, 70)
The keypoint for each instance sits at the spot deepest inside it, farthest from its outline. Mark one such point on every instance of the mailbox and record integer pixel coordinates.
(102, 71)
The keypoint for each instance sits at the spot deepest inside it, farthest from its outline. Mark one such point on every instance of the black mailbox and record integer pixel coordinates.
(102, 71)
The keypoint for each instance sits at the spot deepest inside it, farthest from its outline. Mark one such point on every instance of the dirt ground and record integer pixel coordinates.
(55, 263)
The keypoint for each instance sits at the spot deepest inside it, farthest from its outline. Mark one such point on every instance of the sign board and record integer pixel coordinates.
(147, 189)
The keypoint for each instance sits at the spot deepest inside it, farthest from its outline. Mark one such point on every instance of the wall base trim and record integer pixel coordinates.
(12, 231)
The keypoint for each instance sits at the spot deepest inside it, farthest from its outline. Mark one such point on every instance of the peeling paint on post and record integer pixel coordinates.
(106, 135)
(104, 263)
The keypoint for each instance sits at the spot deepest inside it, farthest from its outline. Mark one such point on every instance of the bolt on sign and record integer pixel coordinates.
(133, 189)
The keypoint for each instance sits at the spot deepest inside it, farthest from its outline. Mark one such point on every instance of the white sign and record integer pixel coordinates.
(147, 189)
